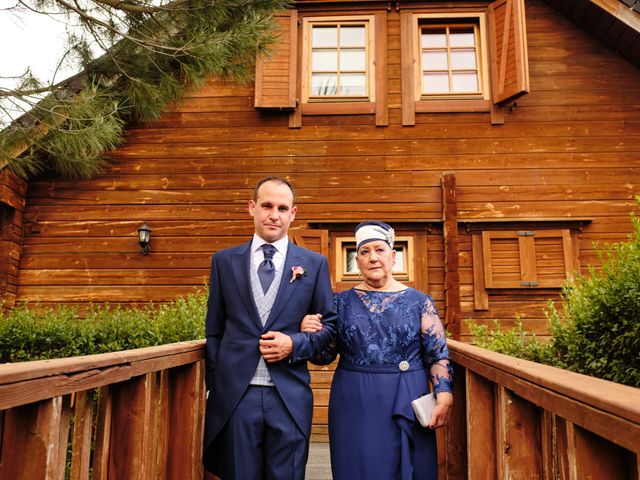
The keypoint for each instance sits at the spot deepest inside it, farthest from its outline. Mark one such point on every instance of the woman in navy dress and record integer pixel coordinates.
(391, 344)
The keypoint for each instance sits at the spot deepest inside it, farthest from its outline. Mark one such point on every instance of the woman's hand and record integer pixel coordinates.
(442, 411)
(311, 323)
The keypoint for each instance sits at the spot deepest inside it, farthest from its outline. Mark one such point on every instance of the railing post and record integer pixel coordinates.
(455, 433)
(481, 431)
(35, 441)
(549, 446)
(597, 458)
(186, 422)
(103, 435)
(519, 452)
(130, 414)
(82, 422)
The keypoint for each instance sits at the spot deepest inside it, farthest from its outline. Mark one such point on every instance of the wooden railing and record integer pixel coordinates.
(141, 409)
(515, 419)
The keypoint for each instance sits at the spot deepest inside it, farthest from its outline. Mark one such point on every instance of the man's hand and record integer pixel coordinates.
(311, 323)
(275, 346)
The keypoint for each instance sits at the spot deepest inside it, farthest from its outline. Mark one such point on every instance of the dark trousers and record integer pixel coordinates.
(261, 441)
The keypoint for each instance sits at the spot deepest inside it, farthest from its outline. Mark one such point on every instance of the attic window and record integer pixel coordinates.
(450, 60)
(338, 66)
(448, 54)
(462, 61)
(338, 59)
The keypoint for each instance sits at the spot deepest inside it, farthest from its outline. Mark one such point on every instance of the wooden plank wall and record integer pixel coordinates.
(13, 190)
(570, 148)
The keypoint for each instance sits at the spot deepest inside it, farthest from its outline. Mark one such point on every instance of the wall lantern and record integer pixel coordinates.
(144, 237)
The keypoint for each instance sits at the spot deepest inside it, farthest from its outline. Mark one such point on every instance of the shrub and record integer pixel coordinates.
(597, 332)
(515, 342)
(34, 334)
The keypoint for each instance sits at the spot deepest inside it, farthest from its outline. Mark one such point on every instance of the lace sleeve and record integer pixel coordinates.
(434, 348)
(327, 355)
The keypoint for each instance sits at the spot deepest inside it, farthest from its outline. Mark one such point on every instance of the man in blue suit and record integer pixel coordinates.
(259, 404)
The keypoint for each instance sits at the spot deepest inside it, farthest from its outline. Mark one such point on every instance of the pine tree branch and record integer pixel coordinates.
(137, 8)
(147, 44)
(129, 7)
(180, 44)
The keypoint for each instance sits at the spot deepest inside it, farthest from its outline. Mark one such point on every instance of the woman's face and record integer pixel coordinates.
(375, 260)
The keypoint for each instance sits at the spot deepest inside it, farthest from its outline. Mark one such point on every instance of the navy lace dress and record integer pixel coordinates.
(389, 344)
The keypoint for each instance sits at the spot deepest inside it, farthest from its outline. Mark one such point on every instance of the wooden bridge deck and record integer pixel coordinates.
(319, 464)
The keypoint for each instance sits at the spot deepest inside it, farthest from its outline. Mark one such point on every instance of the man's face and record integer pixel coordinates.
(273, 211)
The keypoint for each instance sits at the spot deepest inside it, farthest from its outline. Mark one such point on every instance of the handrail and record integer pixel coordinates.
(610, 397)
(522, 417)
(27, 382)
(147, 421)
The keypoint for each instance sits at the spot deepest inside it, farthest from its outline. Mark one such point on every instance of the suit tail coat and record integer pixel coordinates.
(233, 329)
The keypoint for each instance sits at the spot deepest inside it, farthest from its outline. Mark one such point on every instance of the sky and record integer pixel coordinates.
(30, 40)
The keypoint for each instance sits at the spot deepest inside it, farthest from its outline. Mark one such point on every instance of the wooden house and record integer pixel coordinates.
(500, 139)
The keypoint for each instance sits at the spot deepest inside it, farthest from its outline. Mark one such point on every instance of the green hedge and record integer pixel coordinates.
(597, 330)
(34, 333)
(516, 342)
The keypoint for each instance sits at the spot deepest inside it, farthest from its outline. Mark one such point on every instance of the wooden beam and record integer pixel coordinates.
(451, 254)
(623, 13)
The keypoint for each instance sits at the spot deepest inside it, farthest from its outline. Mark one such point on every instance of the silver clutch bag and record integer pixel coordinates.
(423, 407)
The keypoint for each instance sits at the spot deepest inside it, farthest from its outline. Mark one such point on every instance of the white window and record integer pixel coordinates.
(338, 59)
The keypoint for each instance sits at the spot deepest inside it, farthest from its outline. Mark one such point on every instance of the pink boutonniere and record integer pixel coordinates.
(297, 272)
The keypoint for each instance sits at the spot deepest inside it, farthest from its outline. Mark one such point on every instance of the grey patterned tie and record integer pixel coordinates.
(266, 269)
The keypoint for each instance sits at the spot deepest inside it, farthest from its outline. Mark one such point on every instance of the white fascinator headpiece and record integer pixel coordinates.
(372, 230)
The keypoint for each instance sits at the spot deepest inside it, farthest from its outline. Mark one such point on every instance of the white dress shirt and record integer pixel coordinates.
(257, 254)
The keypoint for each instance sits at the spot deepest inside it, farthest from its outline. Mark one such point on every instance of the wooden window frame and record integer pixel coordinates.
(377, 63)
(413, 99)
(424, 102)
(368, 22)
(504, 69)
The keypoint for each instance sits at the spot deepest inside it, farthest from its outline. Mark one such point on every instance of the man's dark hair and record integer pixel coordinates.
(277, 180)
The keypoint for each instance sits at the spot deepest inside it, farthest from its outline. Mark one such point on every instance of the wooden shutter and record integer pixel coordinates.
(500, 251)
(276, 74)
(527, 259)
(316, 240)
(508, 47)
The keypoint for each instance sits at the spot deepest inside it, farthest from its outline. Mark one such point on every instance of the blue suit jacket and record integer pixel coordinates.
(233, 329)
